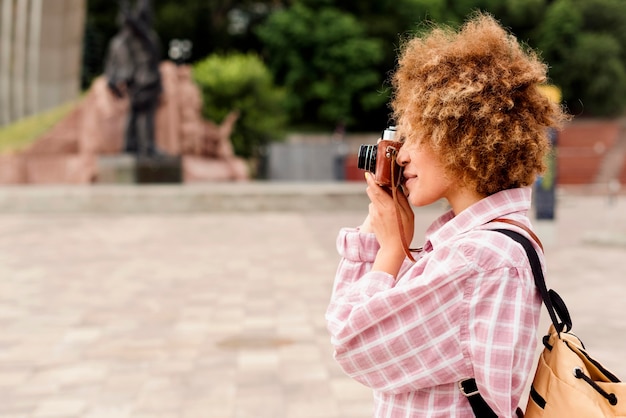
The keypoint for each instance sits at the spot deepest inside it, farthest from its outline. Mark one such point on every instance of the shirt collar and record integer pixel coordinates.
(501, 204)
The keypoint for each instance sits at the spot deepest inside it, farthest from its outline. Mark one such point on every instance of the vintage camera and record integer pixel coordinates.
(380, 159)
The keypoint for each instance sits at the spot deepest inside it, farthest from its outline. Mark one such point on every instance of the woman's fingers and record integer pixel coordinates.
(382, 213)
(375, 192)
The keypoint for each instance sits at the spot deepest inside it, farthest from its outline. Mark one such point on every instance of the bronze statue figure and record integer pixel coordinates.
(132, 68)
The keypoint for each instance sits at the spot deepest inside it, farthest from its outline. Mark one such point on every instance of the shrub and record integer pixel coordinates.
(242, 82)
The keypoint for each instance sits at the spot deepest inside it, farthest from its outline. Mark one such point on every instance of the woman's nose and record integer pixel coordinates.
(403, 157)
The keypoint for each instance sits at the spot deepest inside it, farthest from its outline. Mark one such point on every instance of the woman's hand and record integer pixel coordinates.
(382, 220)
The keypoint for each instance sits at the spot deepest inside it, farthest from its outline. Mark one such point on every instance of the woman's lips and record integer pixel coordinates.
(407, 179)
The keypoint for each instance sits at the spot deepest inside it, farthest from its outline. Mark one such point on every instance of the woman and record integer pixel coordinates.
(473, 120)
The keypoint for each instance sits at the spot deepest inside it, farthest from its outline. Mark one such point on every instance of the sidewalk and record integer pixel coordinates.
(221, 314)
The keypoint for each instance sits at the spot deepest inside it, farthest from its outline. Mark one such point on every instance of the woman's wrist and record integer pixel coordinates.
(389, 260)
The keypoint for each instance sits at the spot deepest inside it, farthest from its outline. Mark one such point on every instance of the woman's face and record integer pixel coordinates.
(425, 179)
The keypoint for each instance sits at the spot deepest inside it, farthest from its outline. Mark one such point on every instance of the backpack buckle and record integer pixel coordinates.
(468, 387)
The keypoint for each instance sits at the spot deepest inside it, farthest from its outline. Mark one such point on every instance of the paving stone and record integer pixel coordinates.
(221, 315)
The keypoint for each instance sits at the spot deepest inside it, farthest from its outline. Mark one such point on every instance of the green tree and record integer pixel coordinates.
(387, 21)
(209, 25)
(242, 82)
(599, 78)
(583, 41)
(325, 61)
(338, 54)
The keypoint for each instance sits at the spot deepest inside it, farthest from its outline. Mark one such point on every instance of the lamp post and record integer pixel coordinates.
(180, 50)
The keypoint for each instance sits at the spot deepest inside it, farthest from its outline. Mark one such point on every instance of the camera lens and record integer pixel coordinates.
(367, 158)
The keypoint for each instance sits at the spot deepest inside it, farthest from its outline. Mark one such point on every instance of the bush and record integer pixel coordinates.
(242, 82)
(326, 61)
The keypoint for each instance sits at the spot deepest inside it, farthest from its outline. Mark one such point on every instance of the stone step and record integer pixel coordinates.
(171, 198)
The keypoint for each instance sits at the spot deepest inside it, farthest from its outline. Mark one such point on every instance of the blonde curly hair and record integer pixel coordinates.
(474, 97)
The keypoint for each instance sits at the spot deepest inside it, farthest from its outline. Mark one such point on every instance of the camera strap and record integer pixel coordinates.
(395, 185)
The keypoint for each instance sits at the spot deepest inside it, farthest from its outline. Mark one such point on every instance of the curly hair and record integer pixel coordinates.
(474, 96)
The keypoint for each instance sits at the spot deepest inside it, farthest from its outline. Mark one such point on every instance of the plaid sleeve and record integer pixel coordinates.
(436, 324)
(399, 338)
(358, 252)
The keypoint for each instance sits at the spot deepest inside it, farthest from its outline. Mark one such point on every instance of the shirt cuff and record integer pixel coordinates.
(354, 245)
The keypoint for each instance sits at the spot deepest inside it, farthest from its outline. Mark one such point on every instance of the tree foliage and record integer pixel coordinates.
(243, 83)
(584, 41)
(325, 59)
(334, 57)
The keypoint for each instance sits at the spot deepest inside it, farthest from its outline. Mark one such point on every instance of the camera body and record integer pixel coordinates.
(380, 159)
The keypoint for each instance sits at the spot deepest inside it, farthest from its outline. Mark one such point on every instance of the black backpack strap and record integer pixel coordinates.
(556, 309)
(479, 406)
(553, 302)
(469, 388)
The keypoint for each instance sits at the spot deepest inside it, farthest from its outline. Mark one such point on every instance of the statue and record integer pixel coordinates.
(84, 146)
(132, 68)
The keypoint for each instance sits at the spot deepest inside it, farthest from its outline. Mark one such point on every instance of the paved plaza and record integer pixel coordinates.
(220, 314)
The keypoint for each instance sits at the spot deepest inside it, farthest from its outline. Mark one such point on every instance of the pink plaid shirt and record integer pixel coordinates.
(467, 308)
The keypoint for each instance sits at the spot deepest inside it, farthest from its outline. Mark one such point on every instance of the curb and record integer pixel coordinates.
(215, 197)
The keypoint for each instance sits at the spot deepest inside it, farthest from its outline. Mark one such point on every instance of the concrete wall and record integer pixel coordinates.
(40, 55)
(314, 157)
(304, 162)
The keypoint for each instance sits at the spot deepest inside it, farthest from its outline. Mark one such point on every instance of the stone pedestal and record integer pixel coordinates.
(116, 169)
(161, 169)
(130, 169)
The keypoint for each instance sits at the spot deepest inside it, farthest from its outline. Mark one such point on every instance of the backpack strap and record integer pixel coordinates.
(553, 302)
(521, 226)
(469, 388)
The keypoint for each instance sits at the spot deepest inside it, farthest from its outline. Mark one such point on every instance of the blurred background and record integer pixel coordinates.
(308, 77)
(201, 293)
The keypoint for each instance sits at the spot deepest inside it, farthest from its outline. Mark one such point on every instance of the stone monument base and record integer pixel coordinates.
(130, 169)
(161, 169)
(116, 169)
